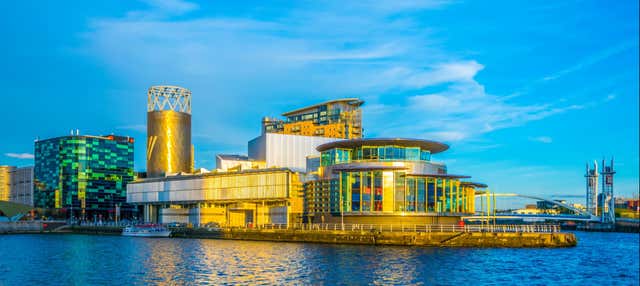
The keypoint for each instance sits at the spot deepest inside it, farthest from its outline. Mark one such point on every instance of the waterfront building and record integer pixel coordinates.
(22, 186)
(5, 182)
(300, 174)
(341, 118)
(233, 162)
(169, 148)
(380, 181)
(248, 197)
(83, 175)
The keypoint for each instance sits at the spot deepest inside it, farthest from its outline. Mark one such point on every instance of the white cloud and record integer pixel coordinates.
(542, 139)
(374, 50)
(19, 155)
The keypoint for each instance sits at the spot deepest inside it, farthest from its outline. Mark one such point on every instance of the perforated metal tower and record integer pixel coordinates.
(608, 208)
(169, 148)
(592, 189)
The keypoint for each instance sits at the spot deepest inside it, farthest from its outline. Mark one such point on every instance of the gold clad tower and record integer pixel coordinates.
(169, 148)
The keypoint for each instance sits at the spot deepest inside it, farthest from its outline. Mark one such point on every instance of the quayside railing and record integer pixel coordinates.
(533, 228)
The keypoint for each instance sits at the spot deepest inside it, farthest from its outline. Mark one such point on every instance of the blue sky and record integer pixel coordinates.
(524, 92)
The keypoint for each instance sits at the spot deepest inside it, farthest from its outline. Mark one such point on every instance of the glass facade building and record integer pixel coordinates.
(86, 175)
(380, 180)
(341, 118)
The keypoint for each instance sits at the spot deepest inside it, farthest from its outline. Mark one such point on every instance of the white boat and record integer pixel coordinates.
(148, 230)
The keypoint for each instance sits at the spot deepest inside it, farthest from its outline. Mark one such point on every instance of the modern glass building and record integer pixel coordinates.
(83, 176)
(386, 181)
(340, 118)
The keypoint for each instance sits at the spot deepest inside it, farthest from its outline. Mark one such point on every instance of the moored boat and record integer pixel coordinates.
(147, 230)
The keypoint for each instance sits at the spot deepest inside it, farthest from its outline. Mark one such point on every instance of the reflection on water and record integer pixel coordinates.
(600, 258)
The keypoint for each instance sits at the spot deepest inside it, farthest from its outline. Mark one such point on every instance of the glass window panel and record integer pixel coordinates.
(377, 189)
(421, 194)
(366, 153)
(412, 154)
(430, 194)
(399, 191)
(410, 195)
(355, 191)
(366, 191)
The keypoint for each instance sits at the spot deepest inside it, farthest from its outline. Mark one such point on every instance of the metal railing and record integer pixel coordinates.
(427, 228)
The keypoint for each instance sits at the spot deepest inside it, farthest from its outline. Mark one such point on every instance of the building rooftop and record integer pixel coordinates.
(350, 101)
(178, 177)
(104, 137)
(433, 146)
(233, 157)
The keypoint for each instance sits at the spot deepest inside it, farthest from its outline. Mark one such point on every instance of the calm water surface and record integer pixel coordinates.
(599, 259)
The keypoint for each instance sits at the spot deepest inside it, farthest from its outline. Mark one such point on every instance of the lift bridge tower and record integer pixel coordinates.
(592, 188)
(606, 194)
(600, 199)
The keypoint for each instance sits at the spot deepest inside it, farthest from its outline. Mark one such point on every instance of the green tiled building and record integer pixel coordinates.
(83, 175)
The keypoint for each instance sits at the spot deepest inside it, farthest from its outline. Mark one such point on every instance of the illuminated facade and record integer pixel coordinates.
(169, 148)
(5, 182)
(386, 181)
(340, 118)
(263, 196)
(86, 175)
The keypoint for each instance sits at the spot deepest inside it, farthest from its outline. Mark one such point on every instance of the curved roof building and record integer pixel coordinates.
(384, 181)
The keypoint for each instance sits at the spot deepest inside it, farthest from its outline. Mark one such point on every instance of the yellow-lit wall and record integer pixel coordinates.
(169, 148)
(5, 182)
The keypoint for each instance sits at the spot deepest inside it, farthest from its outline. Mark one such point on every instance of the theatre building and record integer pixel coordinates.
(384, 181)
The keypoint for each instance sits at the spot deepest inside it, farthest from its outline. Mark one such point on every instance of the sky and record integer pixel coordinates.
(525, 93)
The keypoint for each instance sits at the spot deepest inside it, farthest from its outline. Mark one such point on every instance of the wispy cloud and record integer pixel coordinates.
(19, 155)
(374, 50)
(461, 111)
(541, 139)
(593, 59)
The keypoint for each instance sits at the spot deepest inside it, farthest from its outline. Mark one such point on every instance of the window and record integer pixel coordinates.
(366, 191)
(399, 191)
(377, 191)
(355, 191)
(410, 195)
(421, 194)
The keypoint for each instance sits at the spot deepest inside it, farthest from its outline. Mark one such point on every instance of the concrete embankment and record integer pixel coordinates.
(432, 239)
(439, 239)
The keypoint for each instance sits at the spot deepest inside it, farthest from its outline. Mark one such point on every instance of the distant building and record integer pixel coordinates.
(83, 175)
(341, 118)
(232, 162)
(5, 182)
(22, 186)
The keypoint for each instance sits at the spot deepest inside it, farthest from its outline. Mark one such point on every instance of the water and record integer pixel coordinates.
(600, 258)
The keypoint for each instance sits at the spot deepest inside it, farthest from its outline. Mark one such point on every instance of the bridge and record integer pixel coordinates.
(580, 215)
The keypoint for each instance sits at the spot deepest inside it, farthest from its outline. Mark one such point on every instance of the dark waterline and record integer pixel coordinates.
(69, 259)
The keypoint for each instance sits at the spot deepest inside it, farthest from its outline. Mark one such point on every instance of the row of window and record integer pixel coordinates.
(379, 153)
(377, 191)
